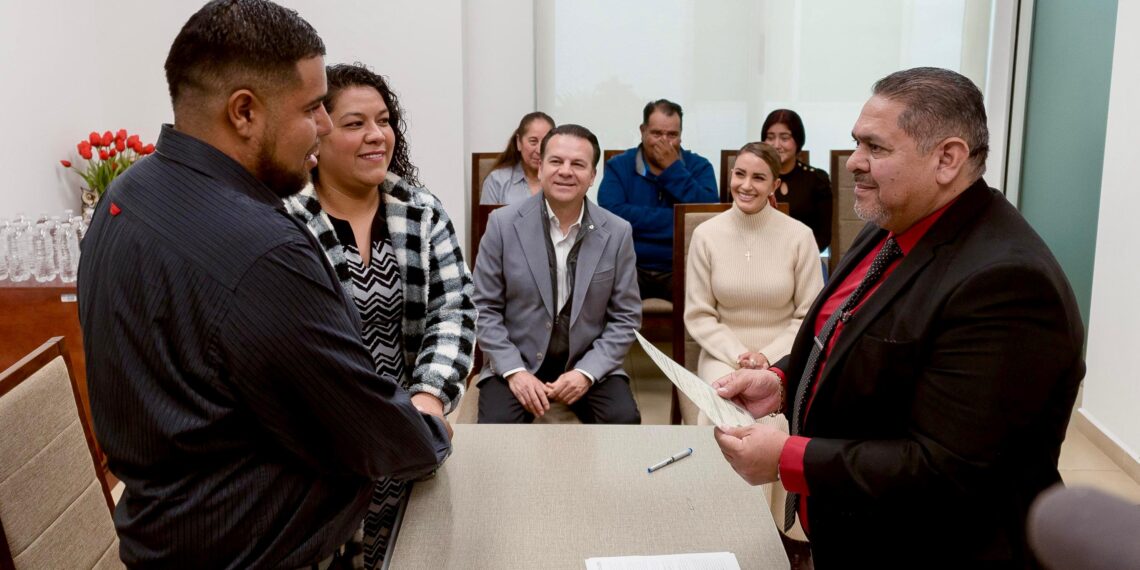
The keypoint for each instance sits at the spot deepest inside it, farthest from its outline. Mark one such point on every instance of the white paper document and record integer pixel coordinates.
(720, 411)
(699, 561)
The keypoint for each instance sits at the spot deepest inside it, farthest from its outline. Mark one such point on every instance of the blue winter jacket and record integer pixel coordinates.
(646, 201)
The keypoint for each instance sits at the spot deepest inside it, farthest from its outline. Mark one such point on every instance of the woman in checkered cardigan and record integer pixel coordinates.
(397, 255)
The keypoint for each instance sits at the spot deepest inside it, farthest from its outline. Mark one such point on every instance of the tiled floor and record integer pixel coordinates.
(1081, 463)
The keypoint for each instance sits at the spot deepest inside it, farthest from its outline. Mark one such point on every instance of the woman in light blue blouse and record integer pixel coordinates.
(515, 175)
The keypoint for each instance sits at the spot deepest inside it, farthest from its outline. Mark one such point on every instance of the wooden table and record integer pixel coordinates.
(550, 496)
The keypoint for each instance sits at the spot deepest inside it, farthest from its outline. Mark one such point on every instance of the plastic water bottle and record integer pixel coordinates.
(67, 252)
(43, 253)
(79, 226)
(5, 229)
(19, 248)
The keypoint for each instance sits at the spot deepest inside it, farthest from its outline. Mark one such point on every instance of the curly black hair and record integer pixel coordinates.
(343, 76)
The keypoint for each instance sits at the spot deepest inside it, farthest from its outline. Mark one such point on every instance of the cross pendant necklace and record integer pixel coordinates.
(748, 255)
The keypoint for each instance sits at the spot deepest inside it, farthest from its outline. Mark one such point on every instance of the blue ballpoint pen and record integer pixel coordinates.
(672, 459)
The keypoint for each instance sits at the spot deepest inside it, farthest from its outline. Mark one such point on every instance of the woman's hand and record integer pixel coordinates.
(428, 404)
(752, 361)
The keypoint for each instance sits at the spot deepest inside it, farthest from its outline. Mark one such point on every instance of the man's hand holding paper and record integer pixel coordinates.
(758, 391)
(720, 411)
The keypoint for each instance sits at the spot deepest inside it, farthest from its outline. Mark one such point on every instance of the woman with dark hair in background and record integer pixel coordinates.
(807, 190)
(397, 256)
(514, 177)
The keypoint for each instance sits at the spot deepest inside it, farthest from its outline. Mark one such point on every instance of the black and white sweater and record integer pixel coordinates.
(439, 316)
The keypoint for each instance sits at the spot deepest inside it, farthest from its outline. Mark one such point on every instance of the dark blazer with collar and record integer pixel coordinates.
(942, 405)
(515, 299)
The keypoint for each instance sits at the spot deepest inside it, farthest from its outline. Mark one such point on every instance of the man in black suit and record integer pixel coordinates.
(930, 386)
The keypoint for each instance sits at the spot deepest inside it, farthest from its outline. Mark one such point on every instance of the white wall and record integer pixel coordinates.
(418, 46)
(63, 80)
(60, 85)
(1112, 392)
(498, 76)
(730, 62)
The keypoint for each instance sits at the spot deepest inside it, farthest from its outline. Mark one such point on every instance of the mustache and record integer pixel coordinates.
(864, 180)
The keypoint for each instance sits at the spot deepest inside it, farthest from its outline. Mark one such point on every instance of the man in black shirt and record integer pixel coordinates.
(229, 385)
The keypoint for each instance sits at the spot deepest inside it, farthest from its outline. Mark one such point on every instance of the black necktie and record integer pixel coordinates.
(887, 254)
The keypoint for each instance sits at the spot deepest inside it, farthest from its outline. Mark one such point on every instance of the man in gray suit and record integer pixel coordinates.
(556, 288)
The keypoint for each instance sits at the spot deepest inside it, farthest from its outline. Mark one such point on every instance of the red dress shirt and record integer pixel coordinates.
(792, 455)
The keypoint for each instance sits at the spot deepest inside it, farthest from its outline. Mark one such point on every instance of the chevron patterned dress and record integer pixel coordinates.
(379, 296)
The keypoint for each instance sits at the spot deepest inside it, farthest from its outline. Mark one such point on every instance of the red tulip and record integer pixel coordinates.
(103, 155)
(108, 138)
(95, 139)
(132, 138)
(65, 163)
(121, 135)
(120, 145)
(114, 166)
(148, 149)
(84, 149)
(113, 153)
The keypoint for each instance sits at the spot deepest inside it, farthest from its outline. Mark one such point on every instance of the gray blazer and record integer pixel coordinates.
(515, 300)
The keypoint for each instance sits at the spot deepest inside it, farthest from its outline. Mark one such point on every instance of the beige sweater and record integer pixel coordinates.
(749, 282)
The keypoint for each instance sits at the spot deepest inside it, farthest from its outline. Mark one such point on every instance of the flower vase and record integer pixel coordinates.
(90, 200)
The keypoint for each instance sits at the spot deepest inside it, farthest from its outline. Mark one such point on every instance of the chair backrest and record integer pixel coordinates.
(481, 163)
(728, 159)
(686, 218)
(479, 215)
(610, 153)
(845, 224)
(55, 507)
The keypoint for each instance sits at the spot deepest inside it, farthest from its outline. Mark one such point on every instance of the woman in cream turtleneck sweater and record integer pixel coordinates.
(751, 277)
(752, 274)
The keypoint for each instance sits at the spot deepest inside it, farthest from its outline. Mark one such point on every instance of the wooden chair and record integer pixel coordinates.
(845, 225)
(479, 215)
(481, 163)
(55, 507)
(33, 312)
(728, 159)
(686, 218)
(610, 153)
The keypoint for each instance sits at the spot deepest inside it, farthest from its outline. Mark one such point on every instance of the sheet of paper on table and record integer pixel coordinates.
(720, 411)
(699, 561)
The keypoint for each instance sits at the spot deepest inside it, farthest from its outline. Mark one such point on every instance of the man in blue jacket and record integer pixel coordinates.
(642, 184)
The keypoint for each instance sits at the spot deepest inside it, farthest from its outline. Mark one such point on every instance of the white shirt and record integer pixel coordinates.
(563, 243)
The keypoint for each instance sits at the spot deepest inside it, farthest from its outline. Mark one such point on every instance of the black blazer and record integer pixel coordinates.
(942, 406)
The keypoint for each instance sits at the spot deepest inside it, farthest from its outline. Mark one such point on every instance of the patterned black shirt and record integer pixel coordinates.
(809, 200)
(229, 385)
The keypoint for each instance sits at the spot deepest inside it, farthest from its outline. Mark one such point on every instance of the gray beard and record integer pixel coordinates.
(873, 212)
